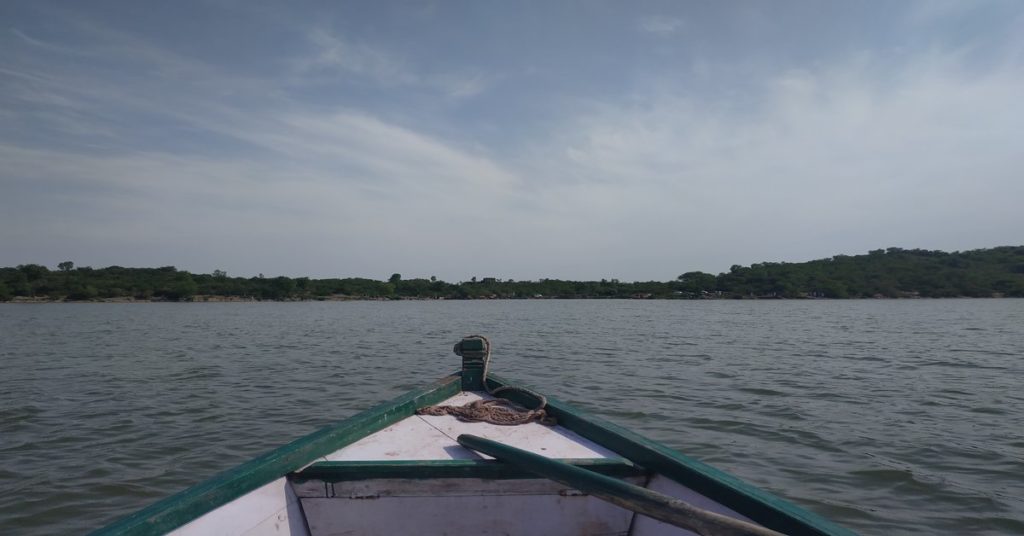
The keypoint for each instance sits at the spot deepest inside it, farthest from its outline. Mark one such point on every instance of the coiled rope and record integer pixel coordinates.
(501, 411)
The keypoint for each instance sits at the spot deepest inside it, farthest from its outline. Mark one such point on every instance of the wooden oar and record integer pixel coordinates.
(641, 500)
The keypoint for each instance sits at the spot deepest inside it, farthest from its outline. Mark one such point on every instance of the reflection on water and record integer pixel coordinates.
(886, 416)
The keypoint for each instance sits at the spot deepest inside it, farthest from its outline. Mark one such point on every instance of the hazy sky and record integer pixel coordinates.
(579, 140)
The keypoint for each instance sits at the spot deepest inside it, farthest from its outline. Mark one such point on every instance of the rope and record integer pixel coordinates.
(498, 411)
(501, 411)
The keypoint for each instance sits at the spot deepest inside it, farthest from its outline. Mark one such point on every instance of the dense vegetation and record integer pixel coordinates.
(891, 273)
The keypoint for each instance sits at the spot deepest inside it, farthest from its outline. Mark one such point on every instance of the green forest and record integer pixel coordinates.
(882, 273)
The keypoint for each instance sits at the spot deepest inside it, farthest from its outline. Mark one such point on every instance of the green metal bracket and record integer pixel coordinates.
(475, 351)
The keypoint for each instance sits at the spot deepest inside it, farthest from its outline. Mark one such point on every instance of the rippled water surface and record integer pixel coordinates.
(891, 417)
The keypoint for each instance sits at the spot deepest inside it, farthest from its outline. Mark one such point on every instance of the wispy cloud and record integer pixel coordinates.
(368, 157)
(351, 183)
(335, 56)
(330, 173)
(458, 86)
(822, 152)
(21, 35)
(660, 24)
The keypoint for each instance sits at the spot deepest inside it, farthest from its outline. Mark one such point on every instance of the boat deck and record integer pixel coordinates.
(430, 437)
(374, 486)
(477, 506)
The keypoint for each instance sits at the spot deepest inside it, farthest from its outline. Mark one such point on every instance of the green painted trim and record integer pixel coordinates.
(188, 505)
(759, 505)
(426, 469)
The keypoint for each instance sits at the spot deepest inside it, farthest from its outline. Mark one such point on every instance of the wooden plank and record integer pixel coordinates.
(409, 439)
(485, 469)
(172, 512)
(758, 505)
(272, 510)
(646, 526)
(455, 487)
(508, 511)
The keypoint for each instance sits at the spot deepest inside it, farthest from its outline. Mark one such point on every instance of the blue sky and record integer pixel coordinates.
(580, 140)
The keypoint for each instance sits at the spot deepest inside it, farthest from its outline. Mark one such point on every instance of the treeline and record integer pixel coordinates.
(888, 273)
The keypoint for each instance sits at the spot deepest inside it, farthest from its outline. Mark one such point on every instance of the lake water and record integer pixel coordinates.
(890, 417)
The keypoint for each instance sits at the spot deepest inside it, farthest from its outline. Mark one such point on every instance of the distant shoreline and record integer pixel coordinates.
(236, 299)
(891, 273)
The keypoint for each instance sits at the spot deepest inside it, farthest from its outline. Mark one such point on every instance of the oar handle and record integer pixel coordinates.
(641, 500)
